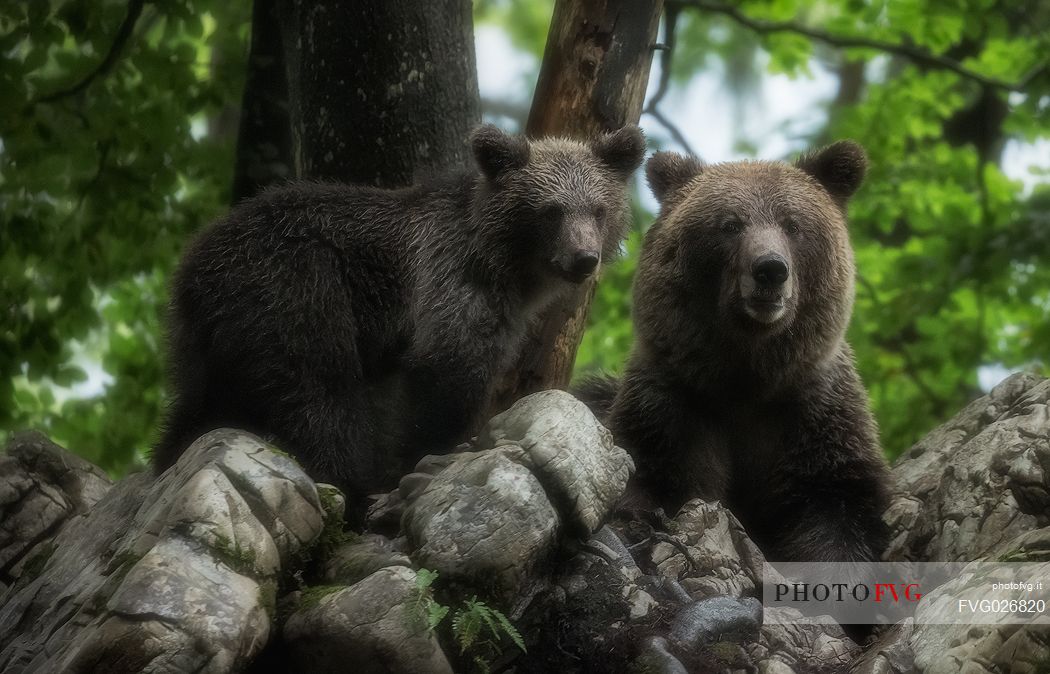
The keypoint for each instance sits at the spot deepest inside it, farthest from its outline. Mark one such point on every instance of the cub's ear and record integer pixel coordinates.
(839, 167)
(668, 172)
(622, 150)
(497, 152)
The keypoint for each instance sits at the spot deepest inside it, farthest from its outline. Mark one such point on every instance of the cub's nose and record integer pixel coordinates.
(584, 262)
(770, 270)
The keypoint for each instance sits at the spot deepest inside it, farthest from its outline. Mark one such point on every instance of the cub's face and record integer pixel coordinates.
(758, 248)
(560, 203)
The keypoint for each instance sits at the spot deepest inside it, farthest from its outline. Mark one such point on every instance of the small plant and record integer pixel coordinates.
(479, 628)
(426, 610)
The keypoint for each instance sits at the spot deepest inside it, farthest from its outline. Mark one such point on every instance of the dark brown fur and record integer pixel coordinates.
(362, 328)
(724, 398)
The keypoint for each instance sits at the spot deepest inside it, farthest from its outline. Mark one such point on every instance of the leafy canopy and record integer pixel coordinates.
(110, 159)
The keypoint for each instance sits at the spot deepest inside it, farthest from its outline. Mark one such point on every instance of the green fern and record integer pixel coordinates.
(435, 614)
(466, 626)
(425, 611)
(469, 623)
(510, 630)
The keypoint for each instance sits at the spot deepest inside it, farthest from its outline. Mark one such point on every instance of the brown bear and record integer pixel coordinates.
(362, 328)
(741, 386)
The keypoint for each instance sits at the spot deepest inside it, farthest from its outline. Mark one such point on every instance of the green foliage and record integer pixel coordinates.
(951, 254)
(479, 628)
(104, 174)
(99, 188)
(425, 611)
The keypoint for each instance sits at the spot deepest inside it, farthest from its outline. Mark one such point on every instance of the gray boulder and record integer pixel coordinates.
(978, 481)
(171, 574)
(377, 625)
(489, 518)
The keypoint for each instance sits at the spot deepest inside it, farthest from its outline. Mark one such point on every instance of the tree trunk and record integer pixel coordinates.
(593, 79)
(381, 90)
(264, 139)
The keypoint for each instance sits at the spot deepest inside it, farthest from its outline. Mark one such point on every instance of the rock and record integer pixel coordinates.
(181, 573)
(44, 487)
(655, 656)
(172, 574)
(975, 488)
(570, 452)
(361, 556)
(709, 553)
(890, 654)
(802, 646)
(978, 480)
(488, 518)
(484, 521)
(375, 626)
(706, 620)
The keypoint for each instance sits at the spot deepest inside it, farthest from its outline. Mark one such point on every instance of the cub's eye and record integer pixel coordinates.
(790, 226)
(731, 225)
(599, 213)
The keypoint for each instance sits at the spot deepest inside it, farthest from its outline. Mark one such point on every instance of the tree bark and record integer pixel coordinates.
(264, 138)
(592, 80)
(381, 90)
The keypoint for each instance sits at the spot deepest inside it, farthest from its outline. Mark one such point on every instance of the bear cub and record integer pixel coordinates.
(362, 328)
(741, 386)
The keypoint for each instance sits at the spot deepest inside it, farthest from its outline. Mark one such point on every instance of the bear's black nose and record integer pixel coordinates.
(584, 262)
(770, 270)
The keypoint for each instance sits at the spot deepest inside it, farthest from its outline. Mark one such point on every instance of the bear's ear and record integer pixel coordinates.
(622, 150)
(497, 152)
(668, 172)
(839, 167)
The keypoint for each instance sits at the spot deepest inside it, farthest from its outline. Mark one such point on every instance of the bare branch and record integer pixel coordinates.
(119, 41)
(666, 59)
(915, 54)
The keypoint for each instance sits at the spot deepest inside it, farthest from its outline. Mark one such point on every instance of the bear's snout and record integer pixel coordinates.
(766, 282)
(770, 271)
(584, 262)
(579, 249)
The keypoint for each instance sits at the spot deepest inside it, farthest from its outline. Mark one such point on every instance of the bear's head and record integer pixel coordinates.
(559, 203)
(750, 262)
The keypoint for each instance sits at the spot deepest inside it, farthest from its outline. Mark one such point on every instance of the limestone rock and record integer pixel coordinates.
(483, 521)
(375, 626)
(172, 574)
(978, 480)
(571, 453)
(360, 557)
(43, 488)
(487, 518)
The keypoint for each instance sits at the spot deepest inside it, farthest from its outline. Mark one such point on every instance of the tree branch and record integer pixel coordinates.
(915, 54)
(666, 58)
(119, 41)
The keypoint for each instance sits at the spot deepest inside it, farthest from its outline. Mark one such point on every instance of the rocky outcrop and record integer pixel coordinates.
(378, 623)
(490, 518)
(976, 488)
(43, 488)
(234, 560)
(976, 483)
(169, 575)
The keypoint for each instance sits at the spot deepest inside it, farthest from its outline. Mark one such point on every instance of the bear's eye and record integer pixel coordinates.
(599, 213)
(731, 225)
(790, 226)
